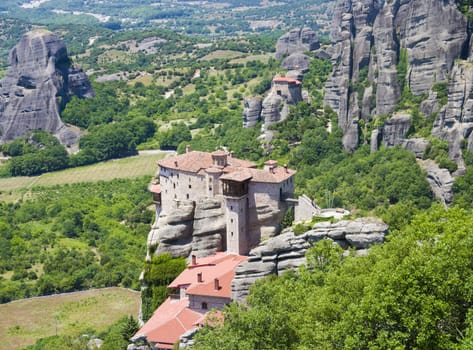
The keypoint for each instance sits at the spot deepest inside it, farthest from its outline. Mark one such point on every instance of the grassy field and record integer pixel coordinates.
(143, 165)
(219, 54)
(67, 314)
(263, 58)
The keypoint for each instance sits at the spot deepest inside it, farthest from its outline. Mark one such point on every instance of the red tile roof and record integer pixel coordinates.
(172, 319)
(221, 266)
(236, 169)
(238, 176)
(155, 188)
(194, 161)
(276, 175)
(286, 80)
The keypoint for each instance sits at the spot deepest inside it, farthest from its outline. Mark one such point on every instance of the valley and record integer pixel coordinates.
(364, 107)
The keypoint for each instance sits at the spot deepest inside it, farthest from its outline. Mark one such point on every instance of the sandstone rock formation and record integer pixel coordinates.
(440, 181)
(190, 228)
(454, 122)
(287, 250)
(284, 91)
(252, 111)
(395, 129)
(274, 109)
(38, 84)
(416, 146)
(199, 228)
(370, 38)
(296, 61)
(297, 40)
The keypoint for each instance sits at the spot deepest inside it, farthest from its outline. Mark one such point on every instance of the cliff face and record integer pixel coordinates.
(287, 251)
(39, 82)
(380, 49)
(190, 228)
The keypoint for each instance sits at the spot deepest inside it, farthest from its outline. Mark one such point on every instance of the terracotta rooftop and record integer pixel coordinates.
(194, 161)
(286, 80)
(236, 169)
(237, 175)
(155, 188)
(172, 319)
(221, 266)
(276, 175)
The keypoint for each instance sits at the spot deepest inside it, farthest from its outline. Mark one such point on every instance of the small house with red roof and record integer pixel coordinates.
(205, 285)
(249, 196)
(289, 88)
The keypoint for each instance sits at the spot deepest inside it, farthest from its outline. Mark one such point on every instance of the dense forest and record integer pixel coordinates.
(74, 237)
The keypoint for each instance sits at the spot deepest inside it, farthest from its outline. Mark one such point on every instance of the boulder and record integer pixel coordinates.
(416, 145)
(297, 40)
(39, 82)
(395, 129)
(252, 111)
(440, 181)
(296, 61)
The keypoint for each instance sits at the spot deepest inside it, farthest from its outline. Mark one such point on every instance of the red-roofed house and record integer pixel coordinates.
(289, 88)
(203, 286)
(241, 187)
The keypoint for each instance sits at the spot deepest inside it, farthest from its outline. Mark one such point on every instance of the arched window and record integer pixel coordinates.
(204, 306)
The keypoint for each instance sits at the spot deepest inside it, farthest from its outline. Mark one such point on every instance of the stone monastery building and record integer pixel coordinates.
(203, 286)
(243, 189)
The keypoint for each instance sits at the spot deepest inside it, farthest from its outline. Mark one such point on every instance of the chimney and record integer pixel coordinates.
(216, 284)
(194, 260)
(199, 277)
(231, 154)
(270, 165)
(175, 163)
(285, 168)
(188, 148)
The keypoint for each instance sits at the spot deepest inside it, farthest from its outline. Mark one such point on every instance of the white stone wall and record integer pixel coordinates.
(195, 302)
(180, 185)
(236, 211)
(305, 209)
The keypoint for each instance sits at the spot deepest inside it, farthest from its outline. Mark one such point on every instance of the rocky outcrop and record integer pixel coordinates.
(252, 111)
(297, 40)
(296, 61)
(284, 91)
(287, 251)
(416, 146)
(395, 129)
(189, 228)
(454, 122)
(173, 231)
(434, 33)
(274, 109)
(352, 38)
(38, 84)
(209, 228)
(440, 181)
(371, 39)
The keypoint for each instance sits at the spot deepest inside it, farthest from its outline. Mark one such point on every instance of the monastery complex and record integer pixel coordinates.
(250, 199)
(237, 183)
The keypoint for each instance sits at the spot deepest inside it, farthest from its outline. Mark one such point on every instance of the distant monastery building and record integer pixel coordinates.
(242, 188)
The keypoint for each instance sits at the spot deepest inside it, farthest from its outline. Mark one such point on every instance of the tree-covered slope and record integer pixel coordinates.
(413, 292)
